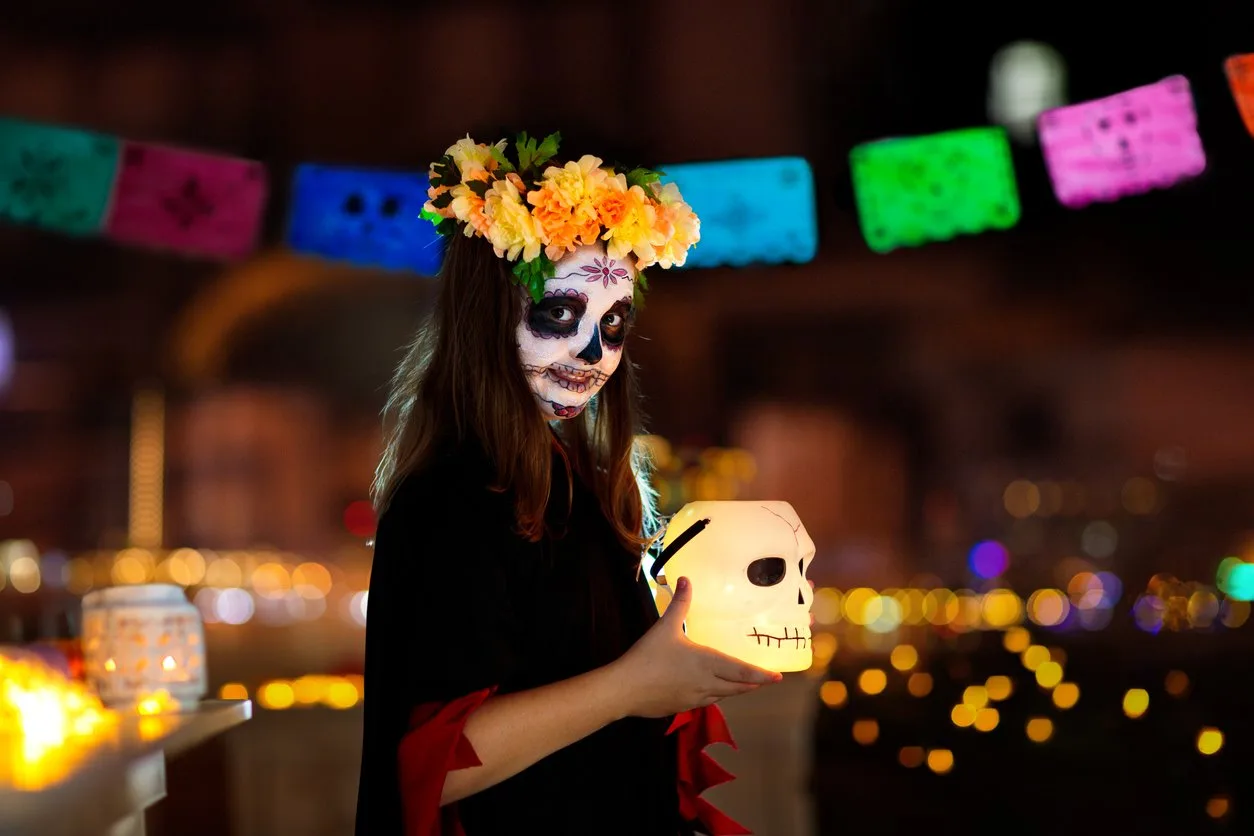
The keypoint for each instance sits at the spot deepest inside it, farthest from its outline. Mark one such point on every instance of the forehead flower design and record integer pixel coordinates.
(534, 211)
(606, 271)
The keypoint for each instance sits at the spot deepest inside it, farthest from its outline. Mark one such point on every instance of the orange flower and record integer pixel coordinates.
(564, 205)
(630, 219)
(612, 205)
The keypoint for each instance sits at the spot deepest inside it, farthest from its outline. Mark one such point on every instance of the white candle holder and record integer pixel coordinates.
(139, 640)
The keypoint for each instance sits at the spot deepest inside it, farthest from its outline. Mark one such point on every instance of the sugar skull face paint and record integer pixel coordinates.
(571, 341)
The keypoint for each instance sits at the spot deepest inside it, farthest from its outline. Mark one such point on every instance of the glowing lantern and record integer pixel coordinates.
(912, 190)
(143, 640)
(1129, 143)
(1240, 69)
(747, 563)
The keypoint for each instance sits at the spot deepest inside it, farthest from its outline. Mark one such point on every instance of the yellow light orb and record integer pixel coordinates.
(999, 688)
(833, 693)
(872, 681)
(975, 696)
(940, 761)
(1135, 702)
(276, 695)
(1017, 639)
(1035, 656)
(986, 719)
(1066, 695)
(1040, 729)
(904, 657)
(1049, 674)
(963, 716)
(341, 694)
(866, 732)
(1210, 740)
(233, 691)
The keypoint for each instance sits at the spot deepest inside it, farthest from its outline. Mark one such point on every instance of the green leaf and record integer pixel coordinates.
(526, 150)
(479, 187)
(434, 217)
(532, 274)
(442, 200)
(643, 177)
(447, 227)
(547, 149)
(637, 292)
(502, 162)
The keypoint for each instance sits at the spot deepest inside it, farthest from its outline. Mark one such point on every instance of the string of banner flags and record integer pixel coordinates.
(909, 191)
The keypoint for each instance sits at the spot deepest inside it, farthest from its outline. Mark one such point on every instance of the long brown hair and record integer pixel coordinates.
(461, 380)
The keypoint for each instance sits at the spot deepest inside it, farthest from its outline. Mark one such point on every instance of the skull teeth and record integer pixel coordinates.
(799, 642)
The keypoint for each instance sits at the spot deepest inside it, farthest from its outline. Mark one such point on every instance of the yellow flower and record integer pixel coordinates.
(473, 158)
(565, 205)
(678, 224)
(631, 222)
(511, 228)
(474, 161)
(468, 208)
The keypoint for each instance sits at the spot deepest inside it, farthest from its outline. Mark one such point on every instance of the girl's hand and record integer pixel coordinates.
(665, 673)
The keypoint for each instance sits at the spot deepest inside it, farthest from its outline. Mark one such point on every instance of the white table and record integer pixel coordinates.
(110, 788)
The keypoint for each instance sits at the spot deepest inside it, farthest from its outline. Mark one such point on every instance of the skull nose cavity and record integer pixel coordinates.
(591, 353)
(800, 597)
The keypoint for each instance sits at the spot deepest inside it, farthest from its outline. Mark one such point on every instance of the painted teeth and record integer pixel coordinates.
(791, 634)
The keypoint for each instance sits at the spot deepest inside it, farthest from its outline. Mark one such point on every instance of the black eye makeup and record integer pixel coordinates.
(616, 322)
(556, 316)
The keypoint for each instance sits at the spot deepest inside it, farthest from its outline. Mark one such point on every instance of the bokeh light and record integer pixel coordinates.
(866, 731)
(988, 559)
(1066, 695)
(1136, 702)
(1210, 740)
(833, 693)
(1040, 729)
(940, 761)
(872, 681)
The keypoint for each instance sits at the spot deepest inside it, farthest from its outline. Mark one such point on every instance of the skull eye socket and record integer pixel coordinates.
(767, 571)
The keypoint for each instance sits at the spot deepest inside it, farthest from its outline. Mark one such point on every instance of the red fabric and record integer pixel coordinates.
(432, 748)
(697, 729)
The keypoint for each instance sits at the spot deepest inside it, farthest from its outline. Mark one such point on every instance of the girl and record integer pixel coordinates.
(519, 677)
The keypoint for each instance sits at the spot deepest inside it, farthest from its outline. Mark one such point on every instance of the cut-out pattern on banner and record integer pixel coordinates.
(56, 178)
(186, 201)
(1240, 69)
(364, 216)
(752, 211)
(1130, 143)
(911, 190)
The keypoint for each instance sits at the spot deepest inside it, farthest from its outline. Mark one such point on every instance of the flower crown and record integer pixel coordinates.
(534, 216)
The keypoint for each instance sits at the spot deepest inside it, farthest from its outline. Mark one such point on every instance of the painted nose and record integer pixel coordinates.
(591, 353)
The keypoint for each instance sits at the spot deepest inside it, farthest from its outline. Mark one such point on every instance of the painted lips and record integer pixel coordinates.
(574, 380)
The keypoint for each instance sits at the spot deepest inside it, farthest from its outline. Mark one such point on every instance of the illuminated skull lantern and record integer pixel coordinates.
(747, 563)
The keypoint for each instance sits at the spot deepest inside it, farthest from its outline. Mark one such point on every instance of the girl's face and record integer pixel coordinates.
(571, 341)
